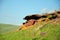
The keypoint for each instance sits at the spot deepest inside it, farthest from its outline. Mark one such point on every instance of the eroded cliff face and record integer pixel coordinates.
(33, 19)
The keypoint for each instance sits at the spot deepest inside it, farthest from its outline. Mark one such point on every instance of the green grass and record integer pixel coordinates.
(48, 32)
(7, 28)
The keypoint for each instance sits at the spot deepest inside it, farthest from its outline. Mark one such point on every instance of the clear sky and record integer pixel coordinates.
(13, 11)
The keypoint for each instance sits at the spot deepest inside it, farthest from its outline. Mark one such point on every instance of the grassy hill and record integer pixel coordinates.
(7, 28)
(43, 27)
(50, 31)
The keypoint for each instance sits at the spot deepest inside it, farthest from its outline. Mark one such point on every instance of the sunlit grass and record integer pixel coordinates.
(48, 32)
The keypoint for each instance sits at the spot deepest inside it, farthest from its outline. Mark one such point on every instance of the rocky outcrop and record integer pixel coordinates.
(32, 19)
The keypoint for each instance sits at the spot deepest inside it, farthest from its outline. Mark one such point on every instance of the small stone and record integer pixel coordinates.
(42, 33)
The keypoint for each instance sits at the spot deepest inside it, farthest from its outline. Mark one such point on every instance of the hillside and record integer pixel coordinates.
(50, 31)
(7, 28)
(36, 27)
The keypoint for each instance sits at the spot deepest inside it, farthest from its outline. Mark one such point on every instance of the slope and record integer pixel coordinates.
(50, 31)
(7, 28)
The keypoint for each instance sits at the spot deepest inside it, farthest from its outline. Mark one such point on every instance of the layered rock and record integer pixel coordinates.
(32, 19)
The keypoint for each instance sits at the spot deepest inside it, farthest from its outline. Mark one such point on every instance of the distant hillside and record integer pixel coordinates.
(7, 28)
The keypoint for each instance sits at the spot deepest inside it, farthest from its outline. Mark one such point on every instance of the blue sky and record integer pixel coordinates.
(13, 11)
